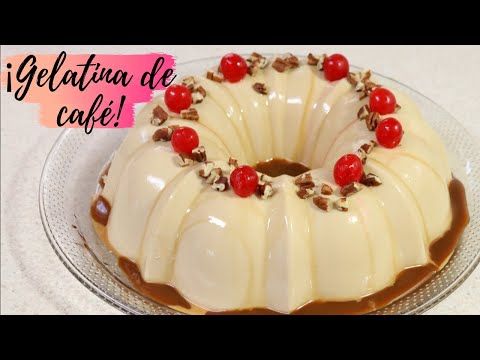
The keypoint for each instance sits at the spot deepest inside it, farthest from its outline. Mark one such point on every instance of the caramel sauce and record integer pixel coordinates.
(406, 281)
(164, 294)
(100, 210)
(277, 167)
(443, 248)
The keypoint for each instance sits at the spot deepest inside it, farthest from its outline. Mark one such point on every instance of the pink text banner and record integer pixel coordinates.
(88, 90)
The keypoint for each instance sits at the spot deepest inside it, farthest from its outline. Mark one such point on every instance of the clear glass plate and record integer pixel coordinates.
(69, 180)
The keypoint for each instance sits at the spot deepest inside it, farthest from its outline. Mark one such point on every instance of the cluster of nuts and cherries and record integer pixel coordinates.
(245, 180)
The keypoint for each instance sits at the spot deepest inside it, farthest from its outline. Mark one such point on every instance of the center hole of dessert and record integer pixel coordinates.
(276, 167)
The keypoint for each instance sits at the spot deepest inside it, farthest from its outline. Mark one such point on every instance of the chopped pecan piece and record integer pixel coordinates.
(359, 79)
(200, 90)
(255, 62)
(321, 60)
(312, 60)
(351, 189)
(368, 147)
(362, 155)
(162, 134)
(326, 189)
(217, 77)
(341, 204)
(305, 193)
(292, 61)
(221, 184)
(322, 203)
(260, 88)
(362, 83)
(264, 190)
(288, 62)
(189, 82)
(159, 116)
(189, 114)
(197, 91)
(363, 113)
(206, 170)
(367, 89)
(233, 162)
(371, 180)
(280, 65)
(197, 98)
(215, 174)
(372, 120)
(199, 154)
(303, 179)
(353, 78)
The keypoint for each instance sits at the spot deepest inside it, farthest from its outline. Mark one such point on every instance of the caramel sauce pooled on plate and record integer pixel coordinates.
(100, 210)
(164, 294)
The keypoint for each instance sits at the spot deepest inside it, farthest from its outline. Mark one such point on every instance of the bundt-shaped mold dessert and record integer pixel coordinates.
(325, 235)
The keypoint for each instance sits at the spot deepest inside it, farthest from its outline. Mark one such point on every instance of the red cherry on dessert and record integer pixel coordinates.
(244, 180)
(184, 140)
(233, 67)
(382, 101)
(335, 67)
(178, 98)
(348, 169)
(389, 132)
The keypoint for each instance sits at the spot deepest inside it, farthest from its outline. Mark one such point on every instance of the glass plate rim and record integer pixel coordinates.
(90, 285)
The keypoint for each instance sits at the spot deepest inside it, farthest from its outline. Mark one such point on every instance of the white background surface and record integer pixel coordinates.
(34, 281)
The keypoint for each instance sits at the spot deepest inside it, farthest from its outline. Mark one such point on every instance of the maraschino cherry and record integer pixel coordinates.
(244, 180)
(335, 67)
(382, 101)
(389, 132)
(178, 98)
(233, 67)
(184, 140)
(348, 169)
